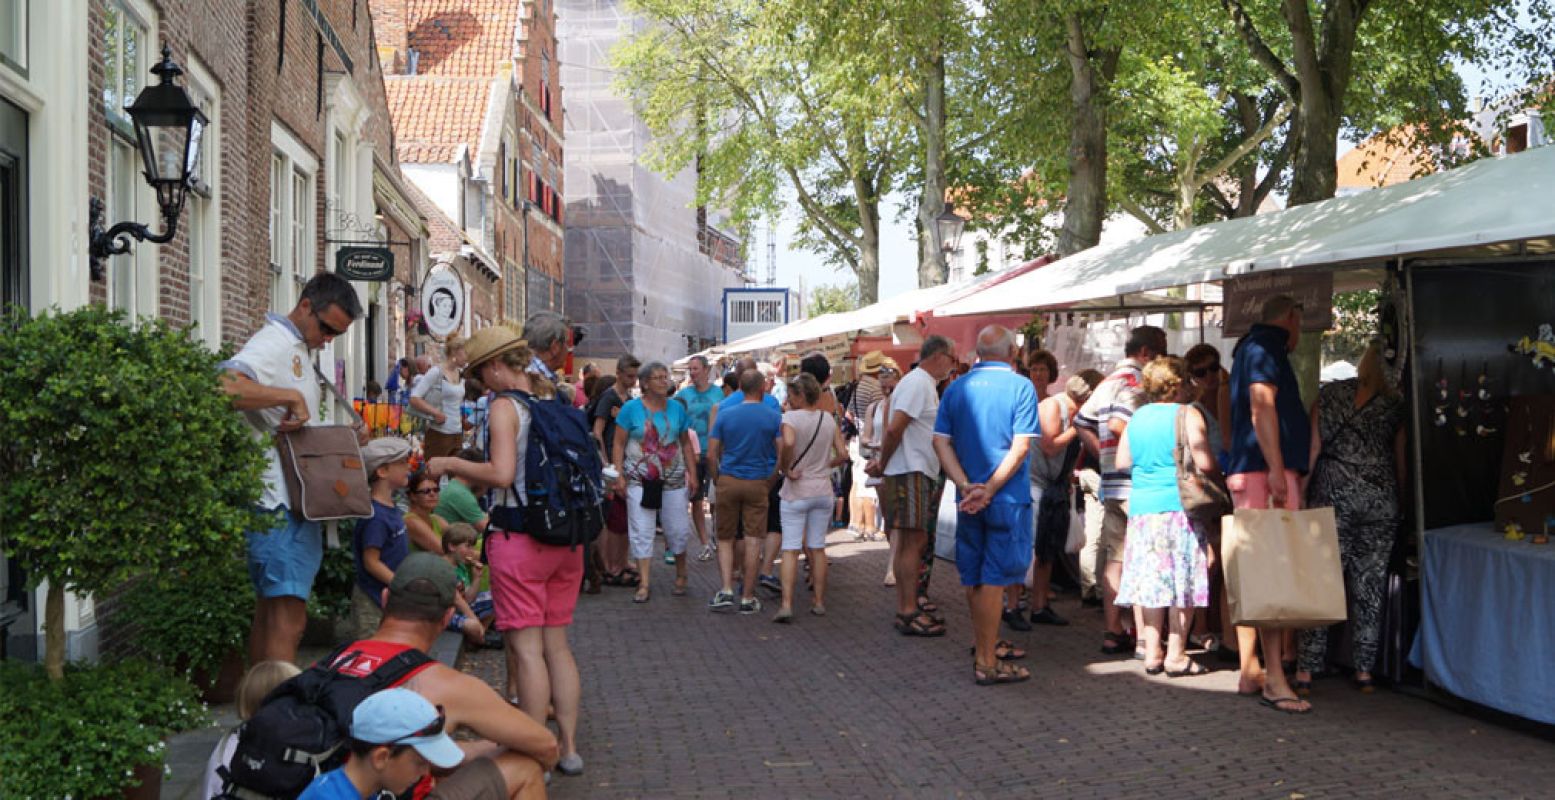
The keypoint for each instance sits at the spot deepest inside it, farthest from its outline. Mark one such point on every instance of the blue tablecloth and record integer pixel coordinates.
(1487, 619)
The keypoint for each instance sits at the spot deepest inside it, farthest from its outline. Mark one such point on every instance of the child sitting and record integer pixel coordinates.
(473, 610)
(257, 683)
(396, 738)
(380, 543)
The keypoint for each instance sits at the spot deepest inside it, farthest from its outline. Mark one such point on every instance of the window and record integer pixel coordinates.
(298, 233)
(205, 212)
(13, 34)
(125, 40)
(742, 311)
(769, 311)
(340, 188)
(277, 232)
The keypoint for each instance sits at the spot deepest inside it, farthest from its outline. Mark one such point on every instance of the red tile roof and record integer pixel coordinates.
(433, 116)
(1383, 160)
(452, 38)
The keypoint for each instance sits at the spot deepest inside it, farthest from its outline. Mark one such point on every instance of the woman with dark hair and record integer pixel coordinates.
(422, 524)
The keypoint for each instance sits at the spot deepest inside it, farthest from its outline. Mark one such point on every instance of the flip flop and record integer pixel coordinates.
(1274, 703)
(679, 590)
(640, 597)
(1193, 669)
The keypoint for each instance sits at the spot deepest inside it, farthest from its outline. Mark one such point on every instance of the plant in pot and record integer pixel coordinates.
(119, 456)
(194, 620)
(92, 733)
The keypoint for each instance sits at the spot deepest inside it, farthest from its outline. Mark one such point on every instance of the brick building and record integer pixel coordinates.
(475, 94)
(298, 160)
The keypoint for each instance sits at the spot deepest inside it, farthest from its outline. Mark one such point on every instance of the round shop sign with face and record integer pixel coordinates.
(442, 301)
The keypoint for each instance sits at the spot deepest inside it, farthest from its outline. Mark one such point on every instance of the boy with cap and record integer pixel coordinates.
(396, 738)
(516, 750)
(380, 543)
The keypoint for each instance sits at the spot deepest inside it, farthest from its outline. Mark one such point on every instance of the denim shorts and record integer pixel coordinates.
(283, 561)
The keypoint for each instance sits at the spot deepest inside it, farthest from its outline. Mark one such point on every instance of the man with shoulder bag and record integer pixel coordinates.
(274, 382)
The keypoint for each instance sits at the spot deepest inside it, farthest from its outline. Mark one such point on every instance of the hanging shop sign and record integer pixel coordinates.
(1245, 298)
(442, 301)
(364, 263)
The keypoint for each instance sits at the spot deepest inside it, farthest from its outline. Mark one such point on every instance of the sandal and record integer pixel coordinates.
(679, 589)
(918, 625)
(999, 672)
(1155, 670)
(1194, 669)
(1116, 644)
(641, 596)
(1303, 688)
(1004, 650)
(1282, 704)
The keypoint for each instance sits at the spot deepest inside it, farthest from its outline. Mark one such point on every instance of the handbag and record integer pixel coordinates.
(1282, 568)
(1076, 541)
(323, 469)
(1203, 497)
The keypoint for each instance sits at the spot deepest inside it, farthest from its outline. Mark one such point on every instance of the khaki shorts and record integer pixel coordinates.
(740, 500)
(475, 779)
(1114, 529)
(909, 502)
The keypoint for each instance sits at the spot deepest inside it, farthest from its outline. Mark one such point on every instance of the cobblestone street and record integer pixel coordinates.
(682, 702)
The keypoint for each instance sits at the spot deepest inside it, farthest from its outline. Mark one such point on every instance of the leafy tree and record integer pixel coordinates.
(832, 299)
(119, 455)
(766, 96)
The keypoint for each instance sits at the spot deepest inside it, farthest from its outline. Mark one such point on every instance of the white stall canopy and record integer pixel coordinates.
(1489, 207)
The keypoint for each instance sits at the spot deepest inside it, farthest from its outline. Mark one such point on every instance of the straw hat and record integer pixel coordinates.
(488, 343)
(890, 364)
(871, 362)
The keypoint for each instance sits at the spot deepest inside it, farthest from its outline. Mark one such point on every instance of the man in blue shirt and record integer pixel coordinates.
(985, 425)
(700, 399)
(1270, 444)
(742, 453)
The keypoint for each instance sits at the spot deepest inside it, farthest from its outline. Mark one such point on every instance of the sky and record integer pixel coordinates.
(899, 249)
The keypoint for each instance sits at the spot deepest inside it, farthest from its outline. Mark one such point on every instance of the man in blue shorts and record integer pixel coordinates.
(273, 382)
(985, 425)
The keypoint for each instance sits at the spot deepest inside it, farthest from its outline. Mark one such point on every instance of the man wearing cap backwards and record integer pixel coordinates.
(517, 749)
(396, 738)
(272, 381)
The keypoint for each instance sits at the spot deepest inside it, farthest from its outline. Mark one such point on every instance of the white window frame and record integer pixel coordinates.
(298, 241)
(205, 209)
(135, 273)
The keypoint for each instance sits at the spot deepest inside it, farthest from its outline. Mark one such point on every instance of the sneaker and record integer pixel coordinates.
(669, 558)
(723, 601)
(707, 553)
(1047, 616)
(770, 583)
(570, 765)
(1016, 621)
(751, 606)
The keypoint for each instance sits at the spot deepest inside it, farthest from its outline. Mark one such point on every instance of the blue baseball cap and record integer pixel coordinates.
(400, 716)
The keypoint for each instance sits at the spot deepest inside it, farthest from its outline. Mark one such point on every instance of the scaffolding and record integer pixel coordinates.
(637, 274)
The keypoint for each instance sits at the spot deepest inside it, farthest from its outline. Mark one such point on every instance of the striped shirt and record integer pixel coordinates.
(865, 393)
(1116, 398)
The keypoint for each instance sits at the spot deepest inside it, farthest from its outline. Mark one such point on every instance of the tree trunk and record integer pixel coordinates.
(869, 256)
(1314, 132)
(931, 255)
(1085, 204)
(54, 631)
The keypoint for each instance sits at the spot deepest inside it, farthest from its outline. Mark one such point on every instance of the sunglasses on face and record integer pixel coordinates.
(432, 490)
(431, 730)
(328, 329)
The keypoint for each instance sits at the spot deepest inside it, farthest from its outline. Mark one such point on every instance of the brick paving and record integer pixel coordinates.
(682, 702)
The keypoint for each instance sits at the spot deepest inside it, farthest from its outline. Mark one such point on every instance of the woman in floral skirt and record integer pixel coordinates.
(1165, 557)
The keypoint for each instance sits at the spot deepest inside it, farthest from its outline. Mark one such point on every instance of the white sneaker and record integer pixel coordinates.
(707, 553)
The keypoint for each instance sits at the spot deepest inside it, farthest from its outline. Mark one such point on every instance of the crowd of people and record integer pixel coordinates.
(1040, 470)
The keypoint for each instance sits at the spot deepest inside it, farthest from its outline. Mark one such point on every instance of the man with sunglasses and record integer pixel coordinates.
(273, 382)
(513, 750)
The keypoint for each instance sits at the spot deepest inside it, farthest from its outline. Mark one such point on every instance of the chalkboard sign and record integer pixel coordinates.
(364, 263)
(1245, 297)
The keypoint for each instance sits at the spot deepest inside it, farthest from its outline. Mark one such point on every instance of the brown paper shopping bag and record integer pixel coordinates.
(1282, 568)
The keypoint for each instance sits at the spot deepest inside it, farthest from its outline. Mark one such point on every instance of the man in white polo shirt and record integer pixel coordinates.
(272, 381)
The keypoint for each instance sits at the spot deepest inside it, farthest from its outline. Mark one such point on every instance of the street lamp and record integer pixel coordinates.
(168, 130)
(950, 226)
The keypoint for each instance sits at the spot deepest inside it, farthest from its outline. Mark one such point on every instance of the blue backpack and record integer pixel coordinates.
(563, 490)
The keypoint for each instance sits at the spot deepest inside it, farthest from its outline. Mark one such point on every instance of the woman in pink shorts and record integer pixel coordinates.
(534, 586)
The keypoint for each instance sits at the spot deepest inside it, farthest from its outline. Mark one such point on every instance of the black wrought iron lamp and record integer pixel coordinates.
(950, 226)
(168, 131)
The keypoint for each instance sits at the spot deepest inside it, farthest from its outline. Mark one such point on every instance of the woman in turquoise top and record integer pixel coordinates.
(1166, 555)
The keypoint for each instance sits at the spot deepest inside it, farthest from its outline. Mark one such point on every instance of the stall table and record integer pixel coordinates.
(1487, 628)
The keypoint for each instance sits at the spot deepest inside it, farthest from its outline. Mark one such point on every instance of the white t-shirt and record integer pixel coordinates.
(916, 397)
(450, 402)
(276, 356)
